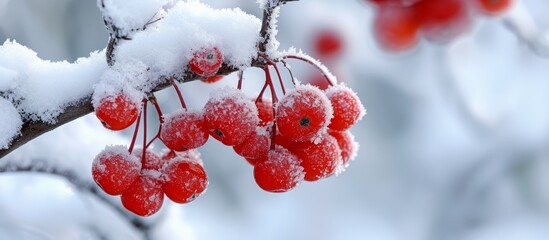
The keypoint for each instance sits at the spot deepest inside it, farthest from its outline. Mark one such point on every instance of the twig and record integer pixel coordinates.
(267, 24)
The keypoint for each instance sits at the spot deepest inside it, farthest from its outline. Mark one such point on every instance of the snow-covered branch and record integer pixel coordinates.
(47, 95)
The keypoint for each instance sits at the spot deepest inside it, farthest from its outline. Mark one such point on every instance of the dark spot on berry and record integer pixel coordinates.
(305, 121)
(218, 133)
(193, 197)
(105, 124)
(210, 56)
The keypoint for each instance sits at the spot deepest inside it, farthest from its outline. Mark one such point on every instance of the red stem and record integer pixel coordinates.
(144, 135)
(269, 82)
(181, 100)
(134, 137)
(311, 63)
(240, 77)
(289, 71)
(152, 99)
(260, 96)
(280, 79)
(273, 63)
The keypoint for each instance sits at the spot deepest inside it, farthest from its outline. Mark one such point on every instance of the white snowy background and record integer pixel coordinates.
(454, 145)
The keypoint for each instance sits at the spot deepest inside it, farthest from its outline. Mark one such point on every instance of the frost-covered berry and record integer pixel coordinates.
(184, 130)
(230, 116)
(117, 112)
(303, 114)
(152, 160)
(114, 169)
(256, 147)
(206, 62)
(280, 173)
(318, 160)
(184, 180)
(347, 107)
(347, 144)
(145, 196)
(265, 111)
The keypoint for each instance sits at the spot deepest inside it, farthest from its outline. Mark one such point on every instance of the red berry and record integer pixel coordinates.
(303, 114)
(493, 6)
(213, 79)
(206, 62)
(256, 147)
(184, 180)
(265, 111)
(347, 107)
(284, 141)
(442, 21)
(347, 144)
(396, 28)
(116, 112)
(318, 160)
(328, 43)
(230, 116)
(151, 162)
(184, 130)
(145, 196)
(280, 173)
(114, 169)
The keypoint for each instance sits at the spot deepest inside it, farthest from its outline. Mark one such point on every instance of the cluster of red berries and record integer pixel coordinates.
(142, 180)
(398, 23)
(303, 136)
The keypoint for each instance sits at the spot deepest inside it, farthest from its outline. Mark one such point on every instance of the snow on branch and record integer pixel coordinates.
(267, 41)
(159, 36)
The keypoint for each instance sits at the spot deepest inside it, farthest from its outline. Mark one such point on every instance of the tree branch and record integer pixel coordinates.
(31, 130)
(268, 22)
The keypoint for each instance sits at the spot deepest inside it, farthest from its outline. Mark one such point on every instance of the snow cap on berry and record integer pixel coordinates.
(304, 99)
(114, 150)
(114, 169)
(184, 129)
(131, 78)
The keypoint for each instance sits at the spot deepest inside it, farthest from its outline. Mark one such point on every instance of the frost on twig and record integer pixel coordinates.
(267, 42)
